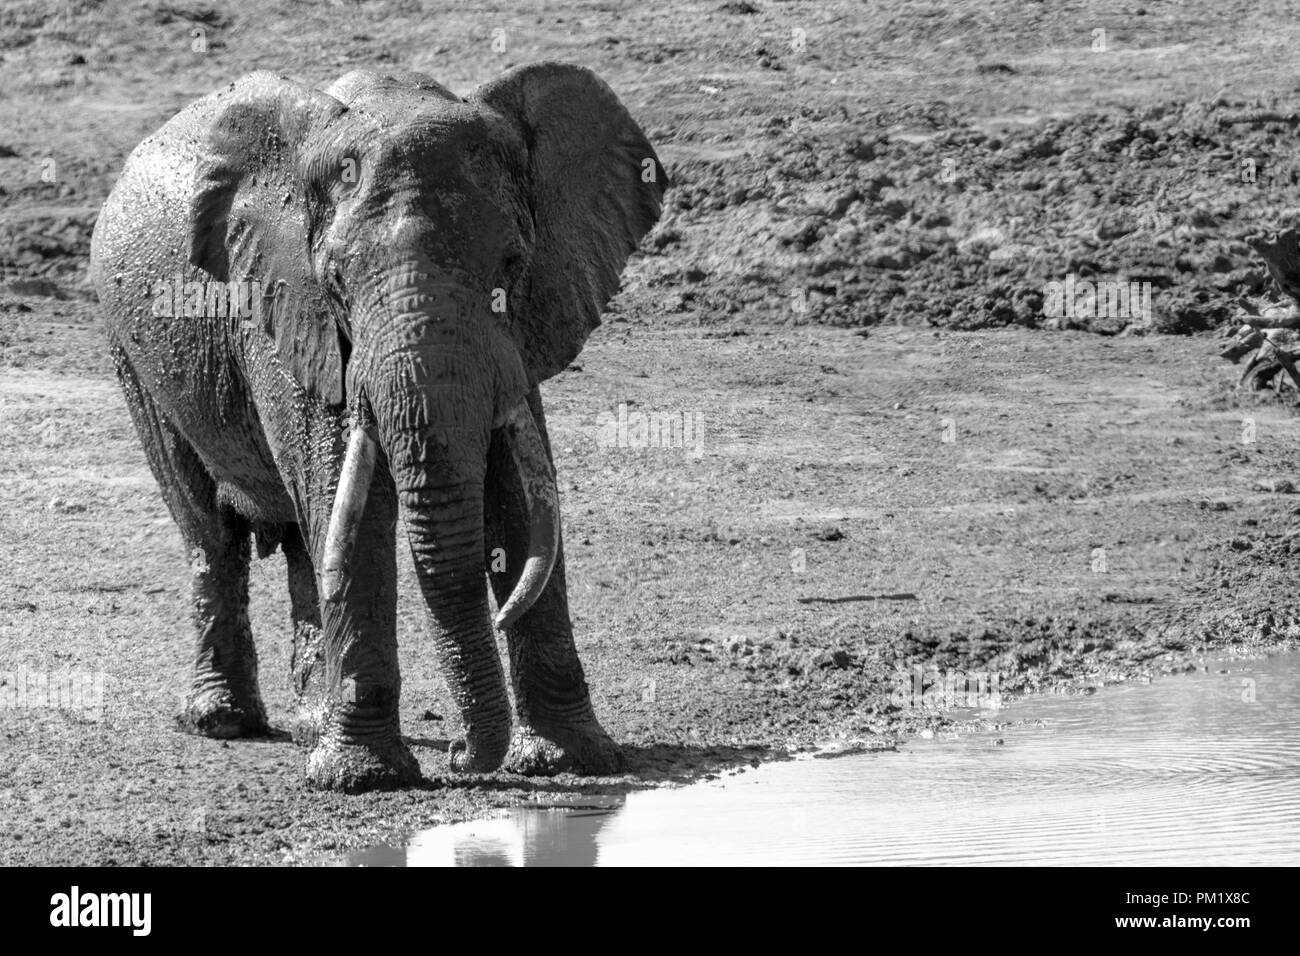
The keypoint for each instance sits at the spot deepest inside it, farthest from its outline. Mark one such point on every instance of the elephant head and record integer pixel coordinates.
(426, 260)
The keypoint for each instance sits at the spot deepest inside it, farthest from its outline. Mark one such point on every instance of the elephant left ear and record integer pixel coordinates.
(250, 221)
(596, 190)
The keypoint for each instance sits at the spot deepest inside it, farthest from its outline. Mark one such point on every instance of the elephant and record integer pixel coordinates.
(331, 309)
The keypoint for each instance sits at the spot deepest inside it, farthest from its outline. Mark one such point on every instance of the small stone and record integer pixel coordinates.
(863, 150)
(739, 646)
(1278, 486)
(839, 660)
(841, 203)
(42, 288)
(666, 237)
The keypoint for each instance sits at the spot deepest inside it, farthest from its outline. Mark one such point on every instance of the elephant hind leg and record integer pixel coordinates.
(224, 699)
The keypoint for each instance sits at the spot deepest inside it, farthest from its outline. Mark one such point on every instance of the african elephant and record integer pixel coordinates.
(331, 309)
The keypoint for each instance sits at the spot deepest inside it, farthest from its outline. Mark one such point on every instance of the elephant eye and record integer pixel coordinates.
(335, 177)
(346, 176)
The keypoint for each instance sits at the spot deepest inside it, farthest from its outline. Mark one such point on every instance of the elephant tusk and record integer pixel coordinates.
(538, 477)
(349, 503)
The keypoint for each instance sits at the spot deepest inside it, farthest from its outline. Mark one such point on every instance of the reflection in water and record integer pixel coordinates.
(1203, 769)
(551, 837)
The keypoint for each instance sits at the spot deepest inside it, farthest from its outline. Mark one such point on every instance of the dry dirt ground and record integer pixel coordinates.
(879, 487)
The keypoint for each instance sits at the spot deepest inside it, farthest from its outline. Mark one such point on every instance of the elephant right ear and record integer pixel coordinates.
(250, 220)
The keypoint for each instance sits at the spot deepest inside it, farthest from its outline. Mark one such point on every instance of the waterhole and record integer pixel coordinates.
(1203, 768)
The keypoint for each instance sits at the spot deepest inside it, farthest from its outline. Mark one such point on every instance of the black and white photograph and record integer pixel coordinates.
(705, 433)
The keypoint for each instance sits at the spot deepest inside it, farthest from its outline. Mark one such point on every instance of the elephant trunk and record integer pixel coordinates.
(433, 377)
(441, 502)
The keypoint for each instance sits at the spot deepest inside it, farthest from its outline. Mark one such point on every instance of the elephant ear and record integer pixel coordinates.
(250, 220)
(596, 190)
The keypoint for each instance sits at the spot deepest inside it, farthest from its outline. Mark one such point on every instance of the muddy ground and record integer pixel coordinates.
(905, 460)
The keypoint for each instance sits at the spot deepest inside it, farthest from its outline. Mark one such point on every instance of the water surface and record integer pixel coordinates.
(1197, 769)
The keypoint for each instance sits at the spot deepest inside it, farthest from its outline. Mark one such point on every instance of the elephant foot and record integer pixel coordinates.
(583, 749)
(220, 714)
(474, 759)
(357, 768)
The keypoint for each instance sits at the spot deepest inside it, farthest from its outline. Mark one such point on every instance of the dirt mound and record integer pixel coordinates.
(811, 185)
(914, 215)
(45, 245)
(920, 216)
(1246, 592)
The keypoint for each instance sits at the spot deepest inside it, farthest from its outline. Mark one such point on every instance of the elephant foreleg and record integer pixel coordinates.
(557, 729)
(357, 743)
(224, 699)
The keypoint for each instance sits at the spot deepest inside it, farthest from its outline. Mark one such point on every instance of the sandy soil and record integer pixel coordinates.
(1057, 507)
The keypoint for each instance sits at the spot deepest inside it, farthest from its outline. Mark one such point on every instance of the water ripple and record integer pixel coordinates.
(1202, 769)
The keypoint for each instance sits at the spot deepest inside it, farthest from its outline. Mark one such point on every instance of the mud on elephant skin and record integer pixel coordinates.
(330, 310)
